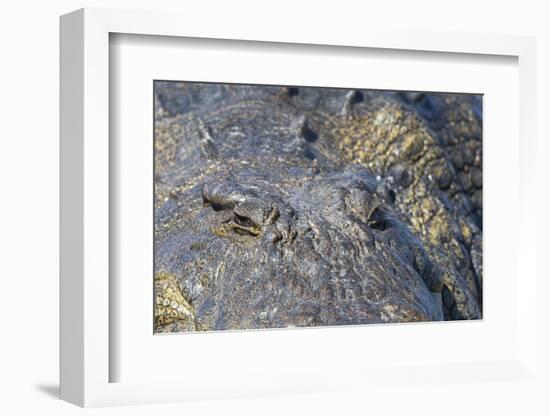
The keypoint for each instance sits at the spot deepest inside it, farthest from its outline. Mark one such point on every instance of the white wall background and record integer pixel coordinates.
(29, 57)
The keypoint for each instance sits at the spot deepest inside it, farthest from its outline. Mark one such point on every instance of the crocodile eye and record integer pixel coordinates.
(243, 221)
(234, 226)
(378, 220)
(238, 209)
(244, 226)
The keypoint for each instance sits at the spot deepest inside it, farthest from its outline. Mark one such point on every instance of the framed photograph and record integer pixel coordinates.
(270, 211)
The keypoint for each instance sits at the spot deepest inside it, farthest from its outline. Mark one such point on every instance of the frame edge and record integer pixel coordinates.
(71, 216)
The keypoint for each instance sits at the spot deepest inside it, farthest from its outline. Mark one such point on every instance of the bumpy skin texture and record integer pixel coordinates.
(279, 207)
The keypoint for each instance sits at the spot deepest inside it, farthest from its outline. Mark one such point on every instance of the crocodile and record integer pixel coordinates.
(285, 206)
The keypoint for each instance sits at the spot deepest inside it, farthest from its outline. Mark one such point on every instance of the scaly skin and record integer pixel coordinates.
(423, 186)
(281, 207)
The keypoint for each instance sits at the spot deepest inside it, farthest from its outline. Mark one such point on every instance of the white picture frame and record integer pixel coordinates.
(86, 355)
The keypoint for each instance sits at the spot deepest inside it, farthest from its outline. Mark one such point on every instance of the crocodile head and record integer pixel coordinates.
(274, 231)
